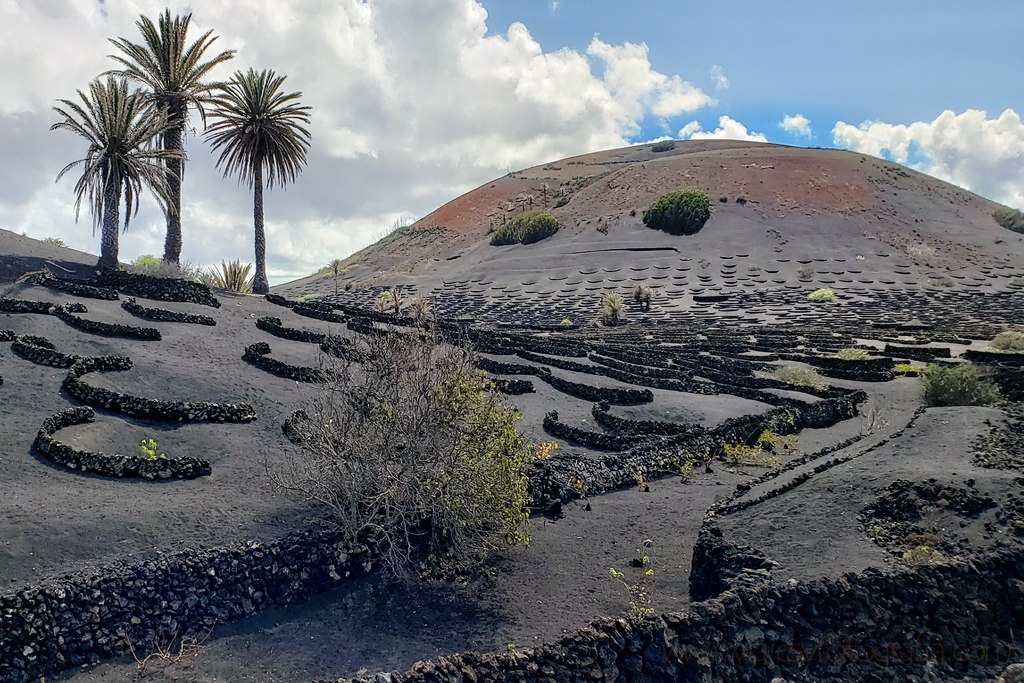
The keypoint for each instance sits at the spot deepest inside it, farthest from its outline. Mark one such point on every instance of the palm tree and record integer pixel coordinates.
(259, 129)
(175, 77)
(119, 126)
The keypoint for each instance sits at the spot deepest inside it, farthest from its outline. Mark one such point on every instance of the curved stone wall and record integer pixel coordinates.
(119, 466)
(273, 326)
(106, 329)
(164, 315)
(258, 355)
(83, 618)
(168, 411)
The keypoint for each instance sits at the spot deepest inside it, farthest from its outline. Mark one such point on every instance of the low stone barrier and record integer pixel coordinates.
(513, 387)
(273, 326)
(258, 354)
(107, 329)
(164, 315)
(168, 411)
(119, 466)
(76, 287)
(85, 617)
(41, 351)
(155, 288)
(878, 625)
(602, 441)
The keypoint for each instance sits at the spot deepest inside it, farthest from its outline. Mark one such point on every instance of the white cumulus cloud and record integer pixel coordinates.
(796, 124)
(728, 129)
(985, 155)
(413, 103)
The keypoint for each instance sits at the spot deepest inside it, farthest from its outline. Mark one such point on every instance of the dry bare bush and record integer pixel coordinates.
(408, 453)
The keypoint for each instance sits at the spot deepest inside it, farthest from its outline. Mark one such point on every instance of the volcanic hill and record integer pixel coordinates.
(784, 221)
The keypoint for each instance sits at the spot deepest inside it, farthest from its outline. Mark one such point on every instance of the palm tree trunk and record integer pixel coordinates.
(172, 141)
(111, 216)
(259, 280)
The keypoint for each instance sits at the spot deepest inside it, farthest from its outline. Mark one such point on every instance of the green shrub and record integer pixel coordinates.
(963, 384)
(753, 456)
(526, 229)
(1008, 340)
(1011, 219)
(679, 213)
(406, 452)
(852, 354)
(663, 146)
(147, 263)
(822, 296)
(148, 450)
(800, 376)
(908, 369)
(613, 309)
(566, 322)
(922, 556)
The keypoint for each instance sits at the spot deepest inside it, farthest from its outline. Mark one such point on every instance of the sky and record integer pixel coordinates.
(417, 101)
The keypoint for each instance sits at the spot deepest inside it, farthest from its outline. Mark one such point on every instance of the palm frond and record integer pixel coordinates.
(258, 125)
(172, 69)
(118, 127)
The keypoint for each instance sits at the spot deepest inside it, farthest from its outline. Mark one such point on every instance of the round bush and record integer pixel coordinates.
(679, 213)
(963, 384)
(527, 229)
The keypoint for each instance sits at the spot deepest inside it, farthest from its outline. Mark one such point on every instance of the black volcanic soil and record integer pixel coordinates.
(897, 248)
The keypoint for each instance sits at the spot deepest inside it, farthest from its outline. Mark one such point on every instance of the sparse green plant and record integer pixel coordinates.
(922, 556)
(639, 589)
(526, 229)
(800, 376)
(683, 212)
(852, 354)
(566, 322)
(1008, 340)
(308, 296)
(663, 146)
(147, 263)
(774, 442)
(908, 369)
(55, 241)
(148, 449)
(820, 296)
(407, 452)
(805, 273)
(642, 295)
(962, 384)
(752, 456)
(1011, 219)
(613, 309)
(233, 277)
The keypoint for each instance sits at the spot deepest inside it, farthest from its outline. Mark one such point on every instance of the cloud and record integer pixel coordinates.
(413, 104)
(728, 129)
(969, 149)
(797, 124)
(718, 78)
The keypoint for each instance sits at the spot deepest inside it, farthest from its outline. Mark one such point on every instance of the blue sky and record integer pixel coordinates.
(882, 60)
(418, 101)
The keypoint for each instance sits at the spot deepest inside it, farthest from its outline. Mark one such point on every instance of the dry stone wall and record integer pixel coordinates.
(85, 617)
(103, 464)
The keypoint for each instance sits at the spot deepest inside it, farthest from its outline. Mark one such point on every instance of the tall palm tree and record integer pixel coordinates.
(119, 126)
(174, 73)
(258, 128)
